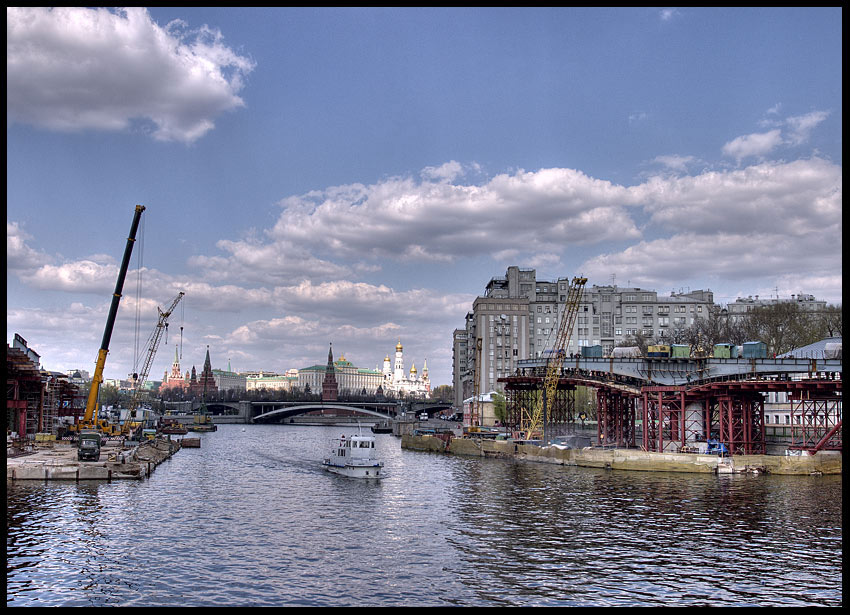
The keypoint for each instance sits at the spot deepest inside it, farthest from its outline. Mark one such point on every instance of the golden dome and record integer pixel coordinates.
(398, 346)
(413, 369)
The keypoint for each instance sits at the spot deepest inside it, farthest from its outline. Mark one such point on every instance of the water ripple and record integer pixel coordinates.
(251, 519)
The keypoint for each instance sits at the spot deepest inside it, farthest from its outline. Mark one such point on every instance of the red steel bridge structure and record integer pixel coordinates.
(672, 417)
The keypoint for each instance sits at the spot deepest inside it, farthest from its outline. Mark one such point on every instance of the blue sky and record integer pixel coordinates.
(358, 175)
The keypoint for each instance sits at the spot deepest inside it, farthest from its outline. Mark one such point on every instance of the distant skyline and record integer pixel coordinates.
(358, 175)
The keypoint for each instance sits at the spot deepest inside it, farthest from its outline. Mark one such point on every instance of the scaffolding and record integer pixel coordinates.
(522, 395)
(615, 417)
(815, 419)
(24, 393)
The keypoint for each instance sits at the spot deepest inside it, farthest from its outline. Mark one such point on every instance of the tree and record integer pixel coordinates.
(500, 409)
(444, 392)
(830, 320)
(783, 327)
(639, 340)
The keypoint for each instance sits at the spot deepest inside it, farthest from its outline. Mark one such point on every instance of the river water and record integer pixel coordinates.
(251, 519)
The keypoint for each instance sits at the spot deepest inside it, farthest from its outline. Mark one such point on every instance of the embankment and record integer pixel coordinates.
(628, 459)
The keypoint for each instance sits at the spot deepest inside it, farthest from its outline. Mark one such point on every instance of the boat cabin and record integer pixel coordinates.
(356, 446)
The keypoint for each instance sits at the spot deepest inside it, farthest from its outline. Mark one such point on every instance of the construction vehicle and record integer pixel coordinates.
(161, 327)
(531, 422)
(88, 446)
(90, 420)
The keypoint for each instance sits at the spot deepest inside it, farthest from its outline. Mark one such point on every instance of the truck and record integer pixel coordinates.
(88, 446)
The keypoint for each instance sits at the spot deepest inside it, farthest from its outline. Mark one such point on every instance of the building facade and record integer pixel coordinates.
(517, 318)
(739, 308)
(228, 380)
(350, 379)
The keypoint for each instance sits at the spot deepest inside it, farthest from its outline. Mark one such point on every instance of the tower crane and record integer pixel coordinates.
(89, 420)
(153, 345)
(530, 424)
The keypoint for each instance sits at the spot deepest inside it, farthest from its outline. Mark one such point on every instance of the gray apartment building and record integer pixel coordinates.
(517, 318)
(739, 308)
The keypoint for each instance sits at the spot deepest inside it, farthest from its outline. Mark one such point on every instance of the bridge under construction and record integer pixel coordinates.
(671, 404)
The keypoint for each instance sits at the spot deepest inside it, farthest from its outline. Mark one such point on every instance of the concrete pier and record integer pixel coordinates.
(59, 462)
(629, 459)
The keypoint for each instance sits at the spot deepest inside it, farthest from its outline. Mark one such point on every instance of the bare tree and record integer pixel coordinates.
(783, 327)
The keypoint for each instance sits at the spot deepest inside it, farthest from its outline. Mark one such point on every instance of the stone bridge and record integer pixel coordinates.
(266, 411)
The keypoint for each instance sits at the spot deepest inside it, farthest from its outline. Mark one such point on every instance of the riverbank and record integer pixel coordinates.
(628, 459)
(59, 462)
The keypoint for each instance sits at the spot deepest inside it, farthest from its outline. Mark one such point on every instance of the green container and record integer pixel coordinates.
(725, 351)
(680, 351)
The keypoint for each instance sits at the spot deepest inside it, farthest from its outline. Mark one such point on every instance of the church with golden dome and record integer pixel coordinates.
(411, 383)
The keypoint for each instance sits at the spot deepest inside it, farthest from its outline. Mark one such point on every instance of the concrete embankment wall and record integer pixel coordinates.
(627, 459)
(115, 464)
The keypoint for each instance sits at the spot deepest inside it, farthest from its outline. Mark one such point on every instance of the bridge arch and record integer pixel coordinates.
(288, 411)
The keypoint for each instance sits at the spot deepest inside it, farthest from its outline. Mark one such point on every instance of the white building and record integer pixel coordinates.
(395, 379)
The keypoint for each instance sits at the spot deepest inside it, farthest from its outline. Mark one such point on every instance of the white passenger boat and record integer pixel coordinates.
(355, 456)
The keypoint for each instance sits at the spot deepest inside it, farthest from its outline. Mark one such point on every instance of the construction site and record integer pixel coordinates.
(57, 432)
(666, 410)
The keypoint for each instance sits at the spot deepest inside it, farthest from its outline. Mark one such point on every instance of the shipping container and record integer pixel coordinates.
(680, 351)
(591, 352)
(658, 351)
(725, 351)
(626, 351)
(755, 350)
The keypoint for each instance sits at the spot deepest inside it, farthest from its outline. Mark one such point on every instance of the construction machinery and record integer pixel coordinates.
(531, 422)
(475, 407)
(140, 378)
(90, 420)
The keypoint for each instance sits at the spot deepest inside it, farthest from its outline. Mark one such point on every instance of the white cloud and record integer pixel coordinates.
(773, 221)
(674, 162)
(73, 68)
(20, 257)
(795, 198)
(756, 144)
(721, 258)
(445, 172)
(666, 14)
(801, 126)
(330, 234)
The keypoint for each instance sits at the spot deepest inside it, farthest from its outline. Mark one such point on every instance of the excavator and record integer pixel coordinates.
(530, 422)
(90, 421)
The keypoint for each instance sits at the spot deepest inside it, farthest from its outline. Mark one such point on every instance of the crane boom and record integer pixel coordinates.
(97, 379)
(475, 410)
(153, 345)
(559, 353)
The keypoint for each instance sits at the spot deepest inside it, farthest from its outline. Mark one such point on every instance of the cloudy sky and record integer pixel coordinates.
(357, 176)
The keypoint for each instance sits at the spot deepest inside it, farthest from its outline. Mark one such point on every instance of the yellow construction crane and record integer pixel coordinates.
(90, 420)
(153, 344)
(530, 423)
(475, 408)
